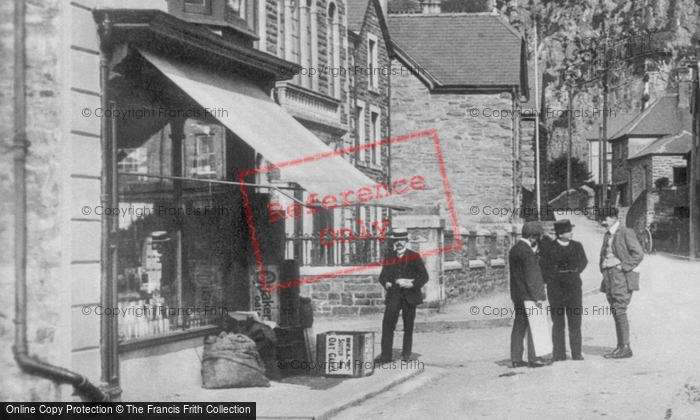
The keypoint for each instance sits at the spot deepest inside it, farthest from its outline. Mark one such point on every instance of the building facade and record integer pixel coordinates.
(158, 152)
(471, 92)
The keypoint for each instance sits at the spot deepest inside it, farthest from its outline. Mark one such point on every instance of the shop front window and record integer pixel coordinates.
(175, 252)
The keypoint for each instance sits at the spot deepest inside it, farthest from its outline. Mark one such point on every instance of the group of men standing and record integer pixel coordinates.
(537, 260)
(541, 268)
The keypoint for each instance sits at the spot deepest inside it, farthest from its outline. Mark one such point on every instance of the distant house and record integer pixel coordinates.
(616, 122)
(650, 172)
(667, 116)
(470, 91)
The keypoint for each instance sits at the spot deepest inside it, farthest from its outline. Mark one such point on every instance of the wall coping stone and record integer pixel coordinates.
(321, 270)
(498, 262)
(453, 265)
(477, 264)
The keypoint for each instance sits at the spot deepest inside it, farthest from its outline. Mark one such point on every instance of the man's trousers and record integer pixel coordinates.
(619, 297)
(566, 304)
(391, 317)
(520, 328)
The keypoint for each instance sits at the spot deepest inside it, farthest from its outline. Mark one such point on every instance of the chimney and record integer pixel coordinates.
(684, 88)
(431, 6)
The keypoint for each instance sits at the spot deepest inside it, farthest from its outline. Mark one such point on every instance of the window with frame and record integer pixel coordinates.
(306, 40)
(248, 11)
(204, 156)
(372, 62)
(133, 161)
(375, 136)
(295, 32)
(333, 42)
(173, 252)
(361, 139)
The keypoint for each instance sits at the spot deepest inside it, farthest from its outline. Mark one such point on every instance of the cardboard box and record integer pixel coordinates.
(346, 353)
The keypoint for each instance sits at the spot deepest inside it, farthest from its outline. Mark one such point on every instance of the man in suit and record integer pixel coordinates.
(619, 258)
(562, 261)
(403, 275)
(526, 284)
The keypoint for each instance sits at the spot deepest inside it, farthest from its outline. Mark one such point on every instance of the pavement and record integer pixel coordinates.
(319, 397)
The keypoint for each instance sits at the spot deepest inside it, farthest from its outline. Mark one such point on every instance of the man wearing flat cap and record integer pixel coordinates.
(403, 275)
(562, 261)
(526, 285)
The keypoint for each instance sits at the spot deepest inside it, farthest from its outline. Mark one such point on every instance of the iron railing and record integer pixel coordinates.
(338, 251)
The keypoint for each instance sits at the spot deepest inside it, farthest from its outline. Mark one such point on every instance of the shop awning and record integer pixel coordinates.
(266, 127)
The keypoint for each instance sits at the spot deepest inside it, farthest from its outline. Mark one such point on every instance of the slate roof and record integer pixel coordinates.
(616, 122)
(461, 49)
(356, 11)
(661, 118)
(674, 144)
(356, 14)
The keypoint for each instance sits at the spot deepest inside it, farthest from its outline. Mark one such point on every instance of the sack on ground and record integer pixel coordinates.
(232, 361)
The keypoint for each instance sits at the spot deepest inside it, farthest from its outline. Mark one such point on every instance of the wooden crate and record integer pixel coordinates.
(346, 353)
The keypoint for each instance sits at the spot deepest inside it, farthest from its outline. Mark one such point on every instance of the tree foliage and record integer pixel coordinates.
(555, 175)
(572, 33)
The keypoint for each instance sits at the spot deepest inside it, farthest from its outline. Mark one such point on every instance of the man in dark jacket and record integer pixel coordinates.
(620, 256)
(562, 261)
(526, 284)
(403, 274)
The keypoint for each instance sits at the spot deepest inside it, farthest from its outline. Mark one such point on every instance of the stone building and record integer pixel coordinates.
(361, 77)
(650, 172)
(470, 91)
(668, 115)
(144, 118)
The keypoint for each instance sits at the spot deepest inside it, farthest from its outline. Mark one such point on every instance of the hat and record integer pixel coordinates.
(532, 229)
(398, 234)
(563, 226)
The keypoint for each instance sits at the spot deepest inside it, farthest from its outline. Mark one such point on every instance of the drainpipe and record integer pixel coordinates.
(108, 325)
(28, 364)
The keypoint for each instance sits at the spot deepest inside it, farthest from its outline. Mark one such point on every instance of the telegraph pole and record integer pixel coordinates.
(694, 181)
(537, 126)
(568, 160)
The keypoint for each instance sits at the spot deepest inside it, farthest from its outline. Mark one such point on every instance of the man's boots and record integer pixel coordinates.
(617, 350)
(624, 353)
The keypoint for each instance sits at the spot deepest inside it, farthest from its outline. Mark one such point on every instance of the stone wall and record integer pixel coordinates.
(662, 166)
(526, 162)
(44, 202)
(349, 295)
(641, 176)
(477, 149)
(480, 267)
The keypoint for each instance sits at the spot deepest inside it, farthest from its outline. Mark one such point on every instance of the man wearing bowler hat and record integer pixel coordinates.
(526, 285)
(403, 275)
(562, 261)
